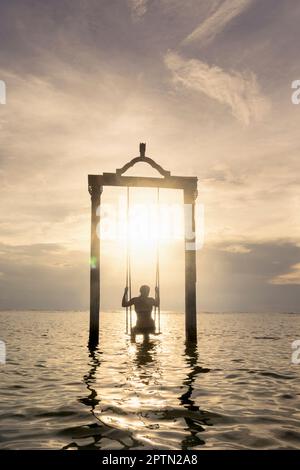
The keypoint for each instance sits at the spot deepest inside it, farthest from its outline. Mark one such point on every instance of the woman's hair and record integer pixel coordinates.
(144, 290)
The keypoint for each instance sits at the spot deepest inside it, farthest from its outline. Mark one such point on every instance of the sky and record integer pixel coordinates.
(207, 84)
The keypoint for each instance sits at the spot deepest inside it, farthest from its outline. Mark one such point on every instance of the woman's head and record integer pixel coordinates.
(144, 290)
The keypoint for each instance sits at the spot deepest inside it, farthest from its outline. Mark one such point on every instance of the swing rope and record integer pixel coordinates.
(157, 280)
(128, 269)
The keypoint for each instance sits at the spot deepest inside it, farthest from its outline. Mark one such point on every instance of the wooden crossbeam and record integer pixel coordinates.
(170, 182)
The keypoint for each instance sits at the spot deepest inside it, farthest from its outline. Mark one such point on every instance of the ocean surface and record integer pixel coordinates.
(238, 389)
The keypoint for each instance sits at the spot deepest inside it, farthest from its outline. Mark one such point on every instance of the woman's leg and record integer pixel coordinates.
(146, 337)
(133, 334)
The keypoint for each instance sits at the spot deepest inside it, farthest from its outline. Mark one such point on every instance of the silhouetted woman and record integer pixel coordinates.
(143, 306)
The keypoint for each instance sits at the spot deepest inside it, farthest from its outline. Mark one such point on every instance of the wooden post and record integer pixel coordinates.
(190, 195)
(95, 192)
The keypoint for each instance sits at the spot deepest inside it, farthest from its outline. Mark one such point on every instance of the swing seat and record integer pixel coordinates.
(143, 331)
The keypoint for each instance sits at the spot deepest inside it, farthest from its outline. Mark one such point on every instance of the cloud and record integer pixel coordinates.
(215, 23)
(241, 280)
(292, 277)
(239, 91)
(233, 276)
(138, 8)
(237, 249)
(43, 276)
(68, 116)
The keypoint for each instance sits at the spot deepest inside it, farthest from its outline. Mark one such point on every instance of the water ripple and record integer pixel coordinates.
(236, 390)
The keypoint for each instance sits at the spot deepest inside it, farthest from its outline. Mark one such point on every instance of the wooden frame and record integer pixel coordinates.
(189, 187)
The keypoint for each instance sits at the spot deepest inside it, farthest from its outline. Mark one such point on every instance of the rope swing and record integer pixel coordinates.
(157, 281)
(128, 268)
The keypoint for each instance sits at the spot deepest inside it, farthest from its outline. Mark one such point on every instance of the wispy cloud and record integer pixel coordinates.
(239, 91)
(217, 21)
(138, 8)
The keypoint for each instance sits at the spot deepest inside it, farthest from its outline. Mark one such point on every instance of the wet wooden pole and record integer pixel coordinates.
(95, 192)
(190, 195)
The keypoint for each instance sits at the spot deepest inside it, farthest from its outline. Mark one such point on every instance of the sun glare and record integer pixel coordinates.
(144, 223)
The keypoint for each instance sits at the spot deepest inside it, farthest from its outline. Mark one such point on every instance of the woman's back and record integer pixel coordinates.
(143, 307)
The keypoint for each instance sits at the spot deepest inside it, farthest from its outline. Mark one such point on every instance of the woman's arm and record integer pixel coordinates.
(124, 299)
(125, 302)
